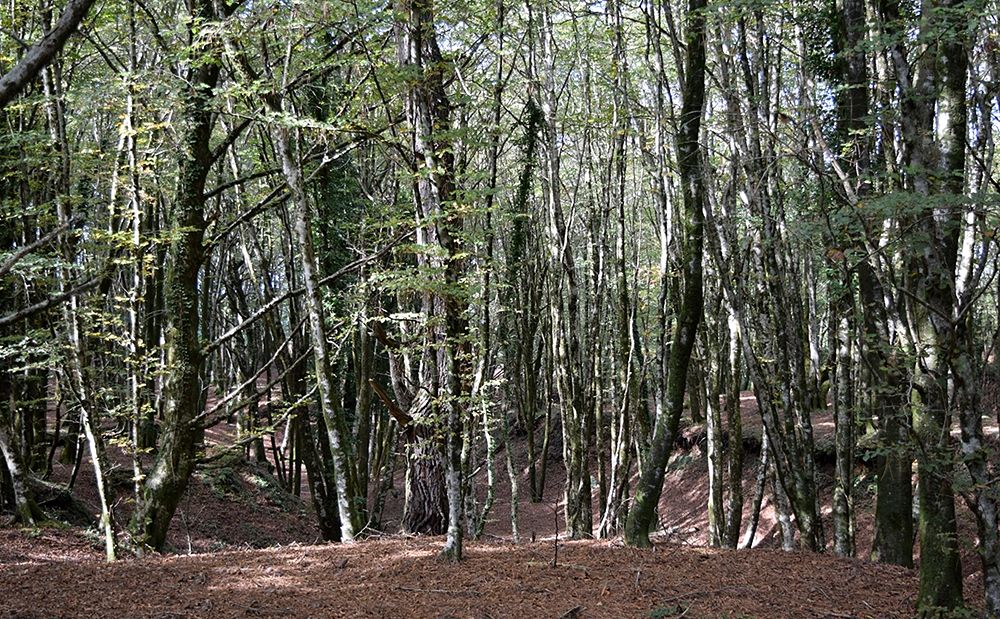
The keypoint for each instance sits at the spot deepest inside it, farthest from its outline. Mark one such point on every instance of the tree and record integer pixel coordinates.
(443, 375)
(689, 154)
(41, 53)
(183, 395)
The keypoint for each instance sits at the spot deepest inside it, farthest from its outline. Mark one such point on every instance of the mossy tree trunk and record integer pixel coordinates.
(933, 125)
(183, 400)
(647, 495)
(445, 364)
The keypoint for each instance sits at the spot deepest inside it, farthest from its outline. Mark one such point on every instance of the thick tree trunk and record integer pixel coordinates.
(425, 503)
(443, 372)
(893, 541)
(183, 399)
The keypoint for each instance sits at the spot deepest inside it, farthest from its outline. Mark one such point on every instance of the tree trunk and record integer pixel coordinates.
(333, 416)
(758, 497)
(28, 512)
(734, 422)
(444, 375)
(647, 496)
(843, 405)
(183, 400)
(425, 502)
(935, 166)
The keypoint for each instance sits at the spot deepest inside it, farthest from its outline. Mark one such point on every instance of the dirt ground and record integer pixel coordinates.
(252, 555)
(404, 578)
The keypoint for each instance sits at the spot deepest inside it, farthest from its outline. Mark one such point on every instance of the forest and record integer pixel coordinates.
(555, 308)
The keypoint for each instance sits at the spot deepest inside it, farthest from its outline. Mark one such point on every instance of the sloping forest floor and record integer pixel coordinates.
(403, 578)
(254, 553)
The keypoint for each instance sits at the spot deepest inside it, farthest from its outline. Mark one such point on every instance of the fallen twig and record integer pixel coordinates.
(555, 543)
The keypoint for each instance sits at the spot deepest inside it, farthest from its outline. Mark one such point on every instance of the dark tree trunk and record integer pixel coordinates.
(183, 399)
(425, 509)
(641, 516)
(443, 372)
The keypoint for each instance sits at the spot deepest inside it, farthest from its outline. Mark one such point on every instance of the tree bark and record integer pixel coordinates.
(183, 400)
(647, 495)
(41, 53)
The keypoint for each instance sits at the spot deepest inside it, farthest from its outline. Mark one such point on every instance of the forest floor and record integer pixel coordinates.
(252, 553)
(401, 577)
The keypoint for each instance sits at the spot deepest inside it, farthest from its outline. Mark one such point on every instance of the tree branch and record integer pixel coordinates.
(47, 303)
(41, 53)
(273, 303)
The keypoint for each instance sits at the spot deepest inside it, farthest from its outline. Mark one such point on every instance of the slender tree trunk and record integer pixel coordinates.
(783, 508)
(758, 497)
(99, 460)
(734, 422)
(641, 516)
(564, 313)
(333, 417)
(843, 503)
(27, 510)
(709, 387)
